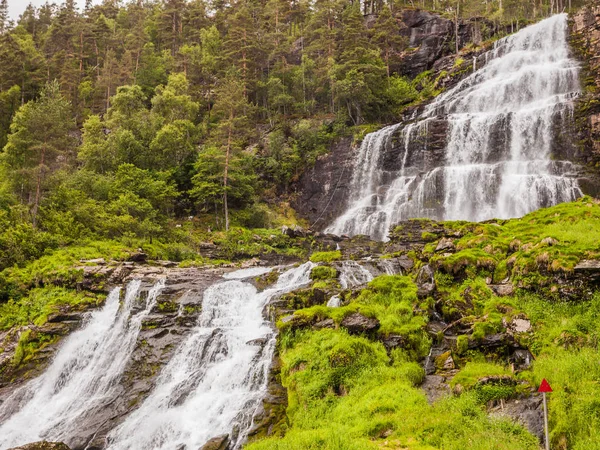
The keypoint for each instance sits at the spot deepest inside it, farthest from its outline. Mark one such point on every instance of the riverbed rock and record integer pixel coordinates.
(44, 445)
(357, 323)
(217, 443)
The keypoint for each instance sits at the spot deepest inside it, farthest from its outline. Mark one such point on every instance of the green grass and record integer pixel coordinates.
(326, 257)
(39, 303)
(530, 249)
(345, 392)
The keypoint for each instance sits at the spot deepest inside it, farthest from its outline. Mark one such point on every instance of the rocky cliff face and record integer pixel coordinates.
(323, 190)
(585, 42)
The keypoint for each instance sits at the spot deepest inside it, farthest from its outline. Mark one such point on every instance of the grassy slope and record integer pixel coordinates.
(345, 392)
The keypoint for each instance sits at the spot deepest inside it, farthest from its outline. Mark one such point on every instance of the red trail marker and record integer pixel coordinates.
(545, 388)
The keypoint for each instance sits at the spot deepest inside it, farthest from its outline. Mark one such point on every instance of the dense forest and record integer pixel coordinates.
(117, 119)
(152, 158)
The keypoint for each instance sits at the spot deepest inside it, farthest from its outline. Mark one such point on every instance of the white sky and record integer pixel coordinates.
(16, 7)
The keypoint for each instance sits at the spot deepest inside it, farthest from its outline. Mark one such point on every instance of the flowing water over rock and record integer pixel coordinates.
(500, 126)
(215, 381)
(83, 377)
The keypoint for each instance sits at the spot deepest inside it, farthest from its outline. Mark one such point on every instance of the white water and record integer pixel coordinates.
(82, 378)
(334, 302)
(215, 381)
(498, 153)
(353, 274)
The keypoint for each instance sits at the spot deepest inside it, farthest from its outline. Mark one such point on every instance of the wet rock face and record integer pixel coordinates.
(585, 43)
(43, 446)
(432, 37)
(323, 189)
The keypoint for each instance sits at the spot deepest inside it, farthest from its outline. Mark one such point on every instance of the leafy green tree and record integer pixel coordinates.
(230, 136)
(10, 101)
(172, 102)
(95, 152)
(209, 188)
(40, 142)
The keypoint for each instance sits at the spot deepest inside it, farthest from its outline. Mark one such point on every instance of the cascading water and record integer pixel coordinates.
(353, 274)
(214, 383)
(82, 378)
(498, 154)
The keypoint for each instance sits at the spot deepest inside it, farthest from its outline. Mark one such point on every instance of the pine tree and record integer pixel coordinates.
(40, 142)
(3, 16)
(385, 35)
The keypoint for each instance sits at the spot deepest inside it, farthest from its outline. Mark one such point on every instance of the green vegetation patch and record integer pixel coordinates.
(326, 257)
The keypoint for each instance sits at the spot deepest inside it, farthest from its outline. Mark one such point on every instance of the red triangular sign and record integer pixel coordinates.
(545, 386)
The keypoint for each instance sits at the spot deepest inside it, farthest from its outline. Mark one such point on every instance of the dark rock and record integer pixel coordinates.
(393, 341)
(589, 269)
(217, 443)
(405, 262)
(44, 445)
(119, 274)
(492, 341)
(527, 411)
(260, 342)
(357, 323)
(435, 327)
(425, 282)
(522, 359)
(138, 257)
(323, 190)
(429, 35)
(295, 232)
(327, 323)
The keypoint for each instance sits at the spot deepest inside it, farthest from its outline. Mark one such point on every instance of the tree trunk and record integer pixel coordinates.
(38, 188)
(456, 28)
(226, 171)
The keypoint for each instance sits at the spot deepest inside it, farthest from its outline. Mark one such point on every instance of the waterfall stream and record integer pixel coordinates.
(214, 383)
(82, 378)
(497, 161)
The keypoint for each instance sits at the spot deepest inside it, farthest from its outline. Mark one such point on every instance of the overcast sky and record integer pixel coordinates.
(16, 7)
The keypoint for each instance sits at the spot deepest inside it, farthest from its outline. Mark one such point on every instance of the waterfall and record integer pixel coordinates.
(217, 378)
(83, 376)
(497, 160)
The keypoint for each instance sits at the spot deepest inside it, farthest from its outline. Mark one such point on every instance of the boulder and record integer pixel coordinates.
(138, 257)
(519, 325)
(502, 290)
(357, 323)
(521, 359)
(217, 443)
(393, 341)
(44, 445)
(425, 281)
(327, 323)
(445, 245)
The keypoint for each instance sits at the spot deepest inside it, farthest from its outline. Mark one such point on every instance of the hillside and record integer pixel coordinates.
(299, 225)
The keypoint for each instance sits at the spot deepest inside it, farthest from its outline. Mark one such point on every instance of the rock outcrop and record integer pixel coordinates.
(44, 445)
